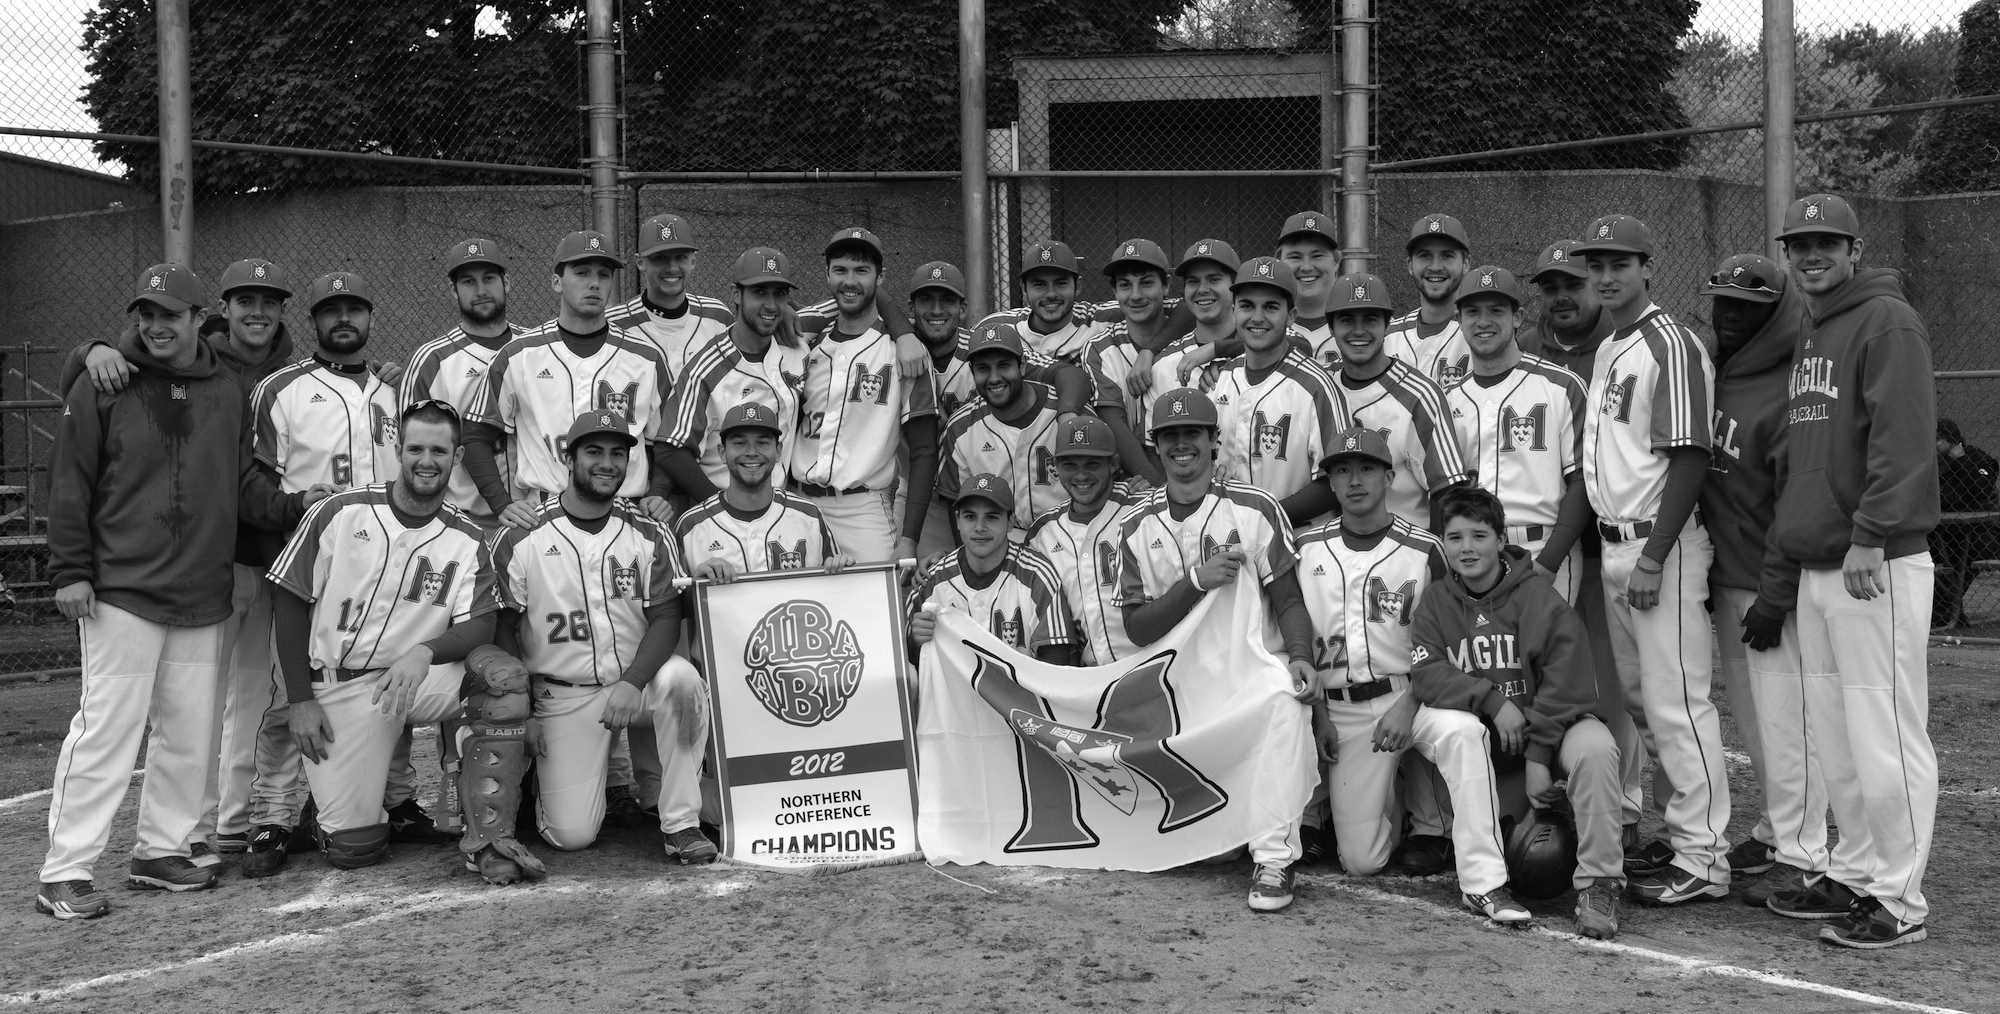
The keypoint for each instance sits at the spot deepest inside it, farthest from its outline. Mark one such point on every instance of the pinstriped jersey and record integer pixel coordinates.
(853, 405)
(1276, 428)
(954, 381)
(975, 441)
(1085, 555)
(1111, 357)
(1167, 374)
(1522, 437)
(1650, 392)
(1362, 601)
(452, 369)
(677, 338)
(1020, 601)
(378, 587)
(1443, 357)
(788, 534)
(536, 387)
(1408, 410)
(583, 596)
(1155, 550)
(720, 377)
(1318, 331)
(1066, 342)
(314, 425)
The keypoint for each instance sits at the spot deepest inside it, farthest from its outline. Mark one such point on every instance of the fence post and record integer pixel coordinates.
(1357, 191)
(972, 154)
(1780, 106)
(601, 67)
(1329, 118)
(170, 18)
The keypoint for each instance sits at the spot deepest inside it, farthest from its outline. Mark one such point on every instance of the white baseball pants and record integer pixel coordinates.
(865, 525)
(570, 774)
(247, 741)
(1767, 695)
(348, 786)
(136, 674)
(1589, 603)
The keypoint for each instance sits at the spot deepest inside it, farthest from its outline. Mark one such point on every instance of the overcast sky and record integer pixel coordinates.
(42, 70)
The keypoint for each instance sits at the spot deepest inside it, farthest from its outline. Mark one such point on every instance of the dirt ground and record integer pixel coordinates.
(614, 928)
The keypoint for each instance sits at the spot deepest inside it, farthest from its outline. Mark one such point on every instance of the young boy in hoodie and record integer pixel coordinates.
(1494, 639)
(1757, 322)
(1859, 501)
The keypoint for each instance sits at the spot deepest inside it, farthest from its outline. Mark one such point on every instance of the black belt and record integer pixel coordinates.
(1359, 692)
(565, 683)
(343, 675)
(815, 489)
(1610, 533)
(1535, 533)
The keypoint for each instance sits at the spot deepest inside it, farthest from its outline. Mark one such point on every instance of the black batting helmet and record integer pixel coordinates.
(1541, 854)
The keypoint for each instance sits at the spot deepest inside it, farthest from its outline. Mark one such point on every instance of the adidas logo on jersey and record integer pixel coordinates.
(1156, 544)
(472, 373)
(988, 446)
(552, 551)
(715, 547)
(363, 535)
(316, 399)
(545, 374)
(1319, 571)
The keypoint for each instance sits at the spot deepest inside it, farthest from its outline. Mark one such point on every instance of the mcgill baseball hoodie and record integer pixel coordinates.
(1740, 497)
(1518, 642)
(1861, 451)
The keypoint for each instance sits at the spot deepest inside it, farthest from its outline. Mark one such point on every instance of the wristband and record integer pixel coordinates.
(1196, 582)
(1657, 568)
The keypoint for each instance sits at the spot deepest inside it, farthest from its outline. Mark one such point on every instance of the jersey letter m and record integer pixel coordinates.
(433, 586)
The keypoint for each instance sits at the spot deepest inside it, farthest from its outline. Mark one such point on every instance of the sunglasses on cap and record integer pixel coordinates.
(1749, 280)
(442, 406)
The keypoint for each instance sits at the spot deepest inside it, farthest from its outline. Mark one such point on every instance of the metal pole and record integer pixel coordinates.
(1357, 191)
(601, 66)
(972, 155)
(1780, 109)
(176, 134)
(1329, 115)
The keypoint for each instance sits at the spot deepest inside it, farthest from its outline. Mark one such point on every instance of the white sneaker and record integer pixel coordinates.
(1498, 905)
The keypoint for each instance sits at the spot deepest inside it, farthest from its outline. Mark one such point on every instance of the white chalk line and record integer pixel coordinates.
(27, 797)
(1691, 966)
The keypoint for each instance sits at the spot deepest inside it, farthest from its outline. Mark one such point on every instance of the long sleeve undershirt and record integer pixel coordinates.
(1687, 468)
(1572, 516)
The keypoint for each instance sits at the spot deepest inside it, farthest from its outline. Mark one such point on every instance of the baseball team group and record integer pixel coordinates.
(1498, 558)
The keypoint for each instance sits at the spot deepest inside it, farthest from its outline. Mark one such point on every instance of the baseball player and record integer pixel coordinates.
(752, 526)
(1081, 537)
(991, 577)
(140, 545)
(1194, 534)
(676, 321)
(543, 378)
(862, 415)
(1573, 323)
(1308, 246)
(1494, 642)
(1206, 271)
(453, 367)
(592, 611)
(1858, 503)
(378, 593)
(1009, 432)
(1139, 273)
(1048, 317)
(1193, 356)
(1428, 337)
(1758, 319)
(1519, 420)
(1645, 454)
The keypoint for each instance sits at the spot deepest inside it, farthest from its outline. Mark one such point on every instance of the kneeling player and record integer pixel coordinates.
(1497, 648)
(1007, 587)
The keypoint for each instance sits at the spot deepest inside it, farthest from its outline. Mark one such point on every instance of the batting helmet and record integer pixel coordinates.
(1541, 854)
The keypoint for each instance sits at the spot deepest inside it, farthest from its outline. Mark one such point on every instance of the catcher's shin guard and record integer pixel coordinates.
(492, 760)
(449, 810)
(355, 847)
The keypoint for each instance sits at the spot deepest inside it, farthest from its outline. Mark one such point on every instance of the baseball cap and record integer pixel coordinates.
(1359, 291)
(1183, 406)
(587, 245)
(173, 286)
(1359, 442)
(993, 335)
(664, 233)
(255, 273)
(1488, 278)
(1085, 436)
(1616, 234)
(467, 252)
(1048, 254)
(334, 284)
(1138, 253)
(1267, 271)
(600, 420)
(747, 414)
(1821, 214)
(1438, 225)
(938, 275)
(761, 264)
(1747, 277)
(855, 237)
(990, 488)
(1209, 250)
(1310, 223)
(1560, 256)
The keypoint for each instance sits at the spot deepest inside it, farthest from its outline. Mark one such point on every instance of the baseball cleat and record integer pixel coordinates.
(1782, 878)
(1424, 855)
(409, 823)
(1673, 886)
(1871, 928)
(202, 854)
(1825, 898)
(1498, 905)
(1271, 887)
(622, 807)
(233, 841)
(304, 835)
(168, 873)
(689, 847)
(1648, 858)
(269, 848)
(1597, 910)
(72, 899)
(1312, 845)
(1751, 856)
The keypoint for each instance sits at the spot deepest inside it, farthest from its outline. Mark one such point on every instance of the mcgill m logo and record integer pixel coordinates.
(1126, 743)
(433, 586)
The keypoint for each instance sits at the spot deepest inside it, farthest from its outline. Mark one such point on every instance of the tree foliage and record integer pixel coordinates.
(1961, 147)
(1236, 24)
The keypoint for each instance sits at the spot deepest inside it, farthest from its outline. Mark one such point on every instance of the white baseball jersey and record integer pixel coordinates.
(1362, 600)
(1319, 332)
(1443, 357)
(1085, 555)
(378, 587)
(1111, 357)
(452, 369)
(720, 377)
(954, 381)
(1277, 427)
(1155, 550)
(1020, 602)
(1407, 408)
(786, 535)
(1166, 377)
(583, 595)
(314, 425)
(1651, 391)
(536, 387)
(1522, 436)
(853, 405)
(975, 441)
(701, 321)
(1066, 342)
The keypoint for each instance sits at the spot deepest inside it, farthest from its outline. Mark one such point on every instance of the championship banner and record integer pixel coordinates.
(1180, 753)
(811, 719)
